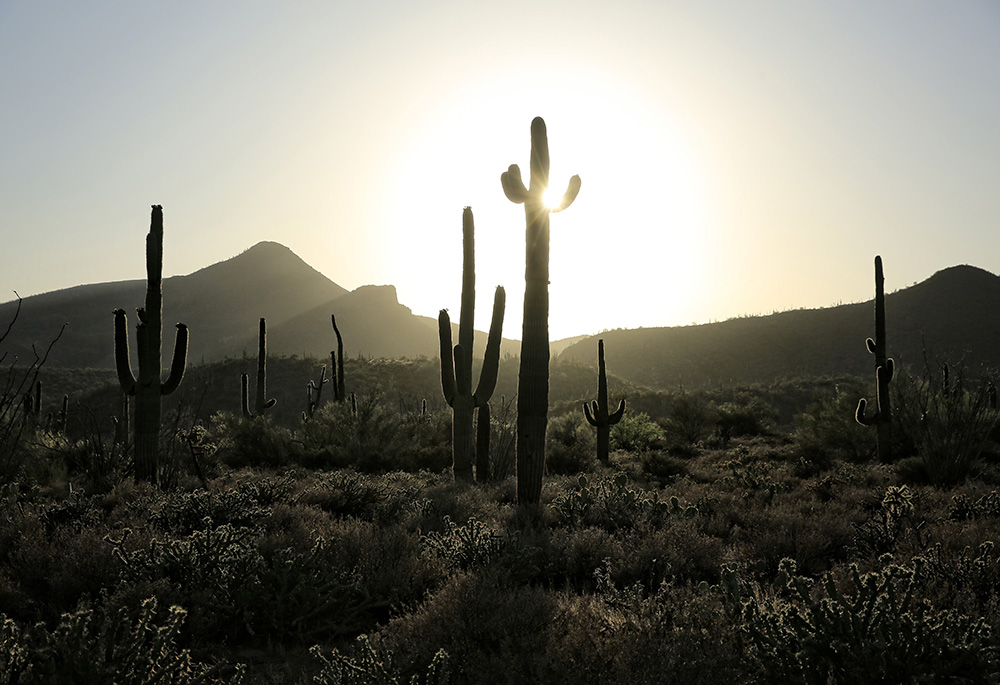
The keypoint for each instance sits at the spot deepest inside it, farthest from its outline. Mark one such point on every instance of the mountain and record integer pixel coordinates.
(952, 316)
(222, 305)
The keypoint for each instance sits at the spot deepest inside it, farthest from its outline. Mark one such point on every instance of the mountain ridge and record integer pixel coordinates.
(949, 314)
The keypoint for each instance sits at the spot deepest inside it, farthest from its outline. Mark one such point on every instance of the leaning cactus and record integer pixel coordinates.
(533, 376)
(597, 411)
(883, 374)
(314, 391)
(456, 363)
(148, 388)
(337, 365)
(261, 403)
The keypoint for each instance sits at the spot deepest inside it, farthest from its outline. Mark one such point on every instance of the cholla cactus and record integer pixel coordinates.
(884, 368)
(597, 411)
(147, 387)
(533, 376)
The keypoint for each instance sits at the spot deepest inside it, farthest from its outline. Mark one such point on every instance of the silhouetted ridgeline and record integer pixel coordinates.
(953, 315)
(222, 305)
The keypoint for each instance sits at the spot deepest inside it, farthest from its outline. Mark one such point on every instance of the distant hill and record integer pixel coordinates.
(222, 305)
(952, 315)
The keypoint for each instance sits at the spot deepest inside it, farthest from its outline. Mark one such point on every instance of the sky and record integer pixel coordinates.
(737, 158)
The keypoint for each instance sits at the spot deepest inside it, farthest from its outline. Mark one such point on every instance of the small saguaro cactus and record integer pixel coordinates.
(147, 387)
(533, 375)
(314, 390)
(597, 411)
(456, 363)
(337, 365)
(884, 368)
(261, 403)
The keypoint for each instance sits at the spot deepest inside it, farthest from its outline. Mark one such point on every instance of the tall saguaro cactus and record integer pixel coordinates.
(456, 363)
(337, 364)
(882, 419)
(533, 375)
(261, 403)
(147, 387)
(597, 411)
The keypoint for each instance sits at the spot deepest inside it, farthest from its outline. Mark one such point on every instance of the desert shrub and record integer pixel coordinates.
(468, 546)
(182, 513)
(949, 426)
(345, 493)
(503, 436)
(641, 633)
(49, 573)
(366, 666)
(92, 646)
(304, 596)
(611, 504)
(874, 631)
(747, 415)
(571, 445)
(491, 629)
(636, 432)
(964, 508)
(213, 572)
(965, 580)
(663, 466)
(255, 442)
(372, 436)
(689, 420)
(826, 430)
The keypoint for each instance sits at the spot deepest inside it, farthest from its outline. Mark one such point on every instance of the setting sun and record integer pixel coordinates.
(552, 197)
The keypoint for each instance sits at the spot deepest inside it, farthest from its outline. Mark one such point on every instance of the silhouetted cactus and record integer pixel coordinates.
(313, 393)
(33, 404)
(597, 411)
(148, 388)
(261, 403)
(533, 375)
(883, 374)
(122, 428)
(456, 364)
(483, 473)
(337, 365)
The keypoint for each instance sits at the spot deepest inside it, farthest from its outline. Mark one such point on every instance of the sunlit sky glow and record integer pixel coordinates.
(736, 157)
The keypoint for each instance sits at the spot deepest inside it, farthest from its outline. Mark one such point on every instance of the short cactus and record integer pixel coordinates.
(147, 387)
(314, 391)
(456, 363)
(261, 403)
(884, 368)
(597, 411)
(533, 376)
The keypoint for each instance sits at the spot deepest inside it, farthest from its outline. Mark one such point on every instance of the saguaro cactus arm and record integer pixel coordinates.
(447, 358)
(125, 377)
(491, 361)
(245, 395)
(179, 363)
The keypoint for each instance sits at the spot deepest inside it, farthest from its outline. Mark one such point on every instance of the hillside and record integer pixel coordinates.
(222, 304)
(951, 315)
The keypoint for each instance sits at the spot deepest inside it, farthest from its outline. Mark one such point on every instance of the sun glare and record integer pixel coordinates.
(658, 243)
(552, 197)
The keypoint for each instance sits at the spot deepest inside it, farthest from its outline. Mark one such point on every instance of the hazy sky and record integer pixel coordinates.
(737, 157)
